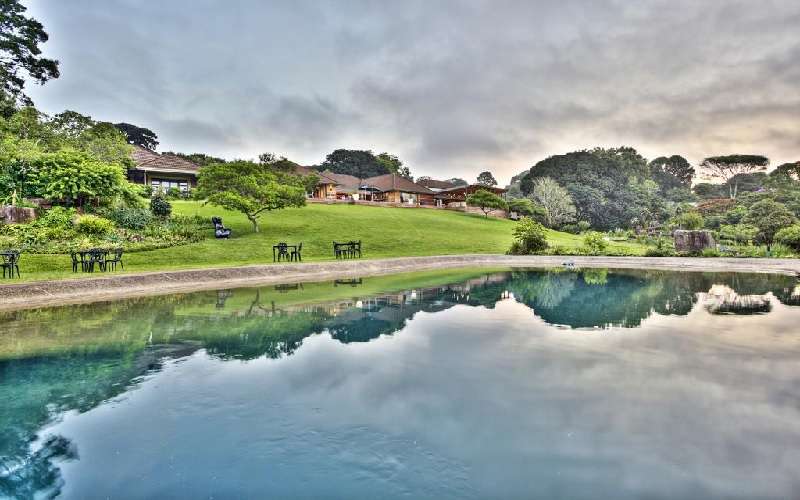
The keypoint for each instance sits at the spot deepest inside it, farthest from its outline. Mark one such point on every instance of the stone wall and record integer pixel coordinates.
(693, 241)
(10, 214)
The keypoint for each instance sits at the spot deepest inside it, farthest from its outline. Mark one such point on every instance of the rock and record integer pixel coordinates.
(10, 214)
(693, 241)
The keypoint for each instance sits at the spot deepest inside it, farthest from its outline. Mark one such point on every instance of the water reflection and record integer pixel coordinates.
(75, 359)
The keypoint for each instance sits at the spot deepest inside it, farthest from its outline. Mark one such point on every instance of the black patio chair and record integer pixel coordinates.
(76, 261)
(355, 249)
(96, 256)
(297, 253)
(220, 231)
(117, 259)
(10, 263)
(283, 251)
(339, 250)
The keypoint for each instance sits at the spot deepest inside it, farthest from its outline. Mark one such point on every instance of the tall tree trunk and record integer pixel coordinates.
(254, 221)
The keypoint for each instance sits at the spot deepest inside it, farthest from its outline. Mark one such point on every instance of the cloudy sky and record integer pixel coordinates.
(452, 87)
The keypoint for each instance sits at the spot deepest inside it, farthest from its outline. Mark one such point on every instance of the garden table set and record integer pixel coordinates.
(101, 257)
(10, 262)
(348, 250)
(284, 251)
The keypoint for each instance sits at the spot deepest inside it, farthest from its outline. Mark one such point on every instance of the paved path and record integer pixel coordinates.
(69, 291)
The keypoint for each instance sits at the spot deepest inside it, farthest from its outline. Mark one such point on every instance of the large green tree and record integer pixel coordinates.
(75, 178)
(768, 217)
(729, 167)
(672, 172)
(486, 201)
(486, 179)
(356, 162)
(250, 188)
(555, 200)
(20, 54)
(139, 136)
(394, 165)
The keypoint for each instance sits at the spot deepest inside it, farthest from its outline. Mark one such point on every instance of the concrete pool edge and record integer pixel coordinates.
(85, 290)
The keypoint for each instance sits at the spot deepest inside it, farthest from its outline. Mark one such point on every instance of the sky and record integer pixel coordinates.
(453, 87)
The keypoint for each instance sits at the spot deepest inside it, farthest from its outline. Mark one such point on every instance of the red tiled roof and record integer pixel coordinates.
(150, 161)
(393, 182)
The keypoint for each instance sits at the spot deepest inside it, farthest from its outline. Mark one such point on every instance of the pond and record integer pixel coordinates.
(544, 383)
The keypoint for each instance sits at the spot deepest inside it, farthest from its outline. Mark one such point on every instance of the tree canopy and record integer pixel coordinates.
(394, 165)
(672, 172)
(486, 201)
(768, 217)
(729, 166)
(358, 163)
(555, 200)
(250, 188)
(486, 179)
(139, 136)
(20, 54)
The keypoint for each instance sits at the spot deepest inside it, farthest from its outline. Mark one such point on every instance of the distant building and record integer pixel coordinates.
(162, 171)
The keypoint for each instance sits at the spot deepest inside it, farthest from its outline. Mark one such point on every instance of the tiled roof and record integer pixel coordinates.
(343, 180)
(434, 184)
(393, 182)
(153, 162)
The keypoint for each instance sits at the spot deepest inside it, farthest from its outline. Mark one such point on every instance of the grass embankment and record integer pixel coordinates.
(384, 232)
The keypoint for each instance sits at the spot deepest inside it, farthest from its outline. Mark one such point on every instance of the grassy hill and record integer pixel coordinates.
(385, 232)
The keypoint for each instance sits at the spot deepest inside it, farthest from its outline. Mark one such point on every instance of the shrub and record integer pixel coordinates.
(56, 217)
(529, 237)
(595, 243)
(146, 191)
(173, 193)
(789, 236)
(131, 218)
(739, 233)
(160, 206)
(688, 220)
(710, 252)
(92, 225)
(663, 248)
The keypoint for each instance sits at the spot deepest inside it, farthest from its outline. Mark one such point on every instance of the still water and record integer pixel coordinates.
(512, 384)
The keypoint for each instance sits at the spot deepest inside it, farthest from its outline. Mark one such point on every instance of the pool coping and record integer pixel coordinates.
(97, 289)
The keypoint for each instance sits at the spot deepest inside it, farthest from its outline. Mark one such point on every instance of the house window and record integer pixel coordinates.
(167, 184)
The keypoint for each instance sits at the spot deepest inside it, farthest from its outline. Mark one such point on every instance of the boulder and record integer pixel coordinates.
(10, 214)
(693, 241)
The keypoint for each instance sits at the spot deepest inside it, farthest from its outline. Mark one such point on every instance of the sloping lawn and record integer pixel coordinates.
(384, 232)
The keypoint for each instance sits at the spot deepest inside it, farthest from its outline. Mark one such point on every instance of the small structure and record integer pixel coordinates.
(456, 197)
(162, 171)
(693, 241)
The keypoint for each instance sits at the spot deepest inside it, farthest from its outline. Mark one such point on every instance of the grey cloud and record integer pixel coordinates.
(452, 87)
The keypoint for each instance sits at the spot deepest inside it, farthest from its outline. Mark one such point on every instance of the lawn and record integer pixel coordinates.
(385, 232)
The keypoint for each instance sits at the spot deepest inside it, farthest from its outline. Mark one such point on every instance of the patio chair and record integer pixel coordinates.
(355, 248)
(117, 259)
(283, 251)
(76, 260)
(96, 256)
(10, 263)
(297, 253)
(220, 231)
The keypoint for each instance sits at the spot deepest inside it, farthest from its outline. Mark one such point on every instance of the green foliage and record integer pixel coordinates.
(159, 206)
(673, 172)
(710, 252)
(140, 136)
(131, 217)
(789, 236)
(663, 248)
(529, 238)
(557, 202)
(394, 165)
(595, 243)
(526, 207)
(57, 217)
(358, 163)
(20, 55)
(688, 220)
(250, 188)
(729, 167)
(92, 225)
(741, 234)
(486, 179)
(768, 217)
(200, 159)
(486, 201)
(73, 177)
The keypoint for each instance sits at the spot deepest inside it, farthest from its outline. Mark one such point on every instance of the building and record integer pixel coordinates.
(435, 185)
(392, 188)
(162, 171)
(456, 197)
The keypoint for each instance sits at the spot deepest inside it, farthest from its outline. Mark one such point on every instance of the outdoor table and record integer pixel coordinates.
(87, 265)
(282, 249)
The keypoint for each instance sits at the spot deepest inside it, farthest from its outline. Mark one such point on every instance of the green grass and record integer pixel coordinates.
(385, 232)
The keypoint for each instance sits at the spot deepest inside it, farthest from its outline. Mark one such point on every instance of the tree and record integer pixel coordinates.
(486, 201)
(200, 159)
(790, 170)
(457, 181)
(688, 220)
(486, 179)
(139, 136)
(20, 55)
(672, 172)
(74, 177)
(768, 217)
(358, 163)
(71, 124)
(250, 188)
(728, 167)
(555, 200)
(394, 165)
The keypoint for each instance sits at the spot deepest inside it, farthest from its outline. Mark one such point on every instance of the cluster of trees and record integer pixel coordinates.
(363, 164)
